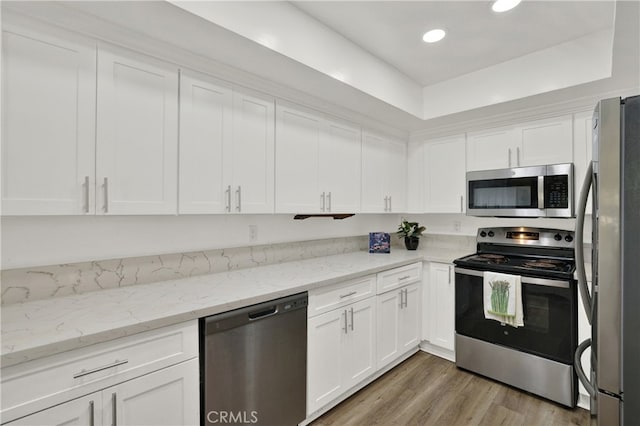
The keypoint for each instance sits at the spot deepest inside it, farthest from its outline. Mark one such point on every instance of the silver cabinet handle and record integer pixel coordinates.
(239, 195)
(386, 203)
(518, 156)
(228, 192)
(322, 204)
(406, 277)
(95, 370)
(509, 156)
(86, 194)
(106, 194)
(351, 319)
(92, 421)
(342, 296)
(390, 205)
(345, 322)
(461, 204)
(329, 202)
(114, 410)
(449, 274)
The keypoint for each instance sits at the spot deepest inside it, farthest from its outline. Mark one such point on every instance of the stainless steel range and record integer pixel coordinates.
(538, 356)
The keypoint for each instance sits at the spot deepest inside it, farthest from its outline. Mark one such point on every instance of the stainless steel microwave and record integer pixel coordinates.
(537, 191)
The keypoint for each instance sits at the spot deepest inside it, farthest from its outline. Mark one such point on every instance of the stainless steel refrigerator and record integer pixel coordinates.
(612, 302)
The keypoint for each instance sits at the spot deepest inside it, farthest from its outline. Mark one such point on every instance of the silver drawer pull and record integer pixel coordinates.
(104, 367)
(342, 296)
(406, 277)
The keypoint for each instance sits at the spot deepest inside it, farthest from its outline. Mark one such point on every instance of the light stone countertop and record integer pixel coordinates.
(45, 327)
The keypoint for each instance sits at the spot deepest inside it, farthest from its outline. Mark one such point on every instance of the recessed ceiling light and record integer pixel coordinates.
(504, 5)
(433, 36)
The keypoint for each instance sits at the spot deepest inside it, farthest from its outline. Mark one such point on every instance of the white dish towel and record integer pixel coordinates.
(503, 298)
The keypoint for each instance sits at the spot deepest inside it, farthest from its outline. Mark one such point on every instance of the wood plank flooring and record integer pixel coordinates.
(427, 390)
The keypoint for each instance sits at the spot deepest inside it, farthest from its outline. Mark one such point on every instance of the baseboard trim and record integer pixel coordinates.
(447, 354)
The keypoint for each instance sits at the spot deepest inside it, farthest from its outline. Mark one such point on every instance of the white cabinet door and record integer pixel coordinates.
(298, 135)
(388, 327)
(397, 182)
(325, 335)
(340, 157)
(384, 174)
(445, 175)
(409, 323)
(78, 412)
(253, 153)
(167, 397)
(545, 142)
(48, 124)
(205, 144)
(360, 343)
(491, 149)
(442, 305)
(137, 134)
(416, 177)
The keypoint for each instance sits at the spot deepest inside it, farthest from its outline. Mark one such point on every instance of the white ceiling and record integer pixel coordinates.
(476, 37)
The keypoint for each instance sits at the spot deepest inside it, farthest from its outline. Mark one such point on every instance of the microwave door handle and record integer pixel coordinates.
(577, 362)
(587, 298)
(541, 192)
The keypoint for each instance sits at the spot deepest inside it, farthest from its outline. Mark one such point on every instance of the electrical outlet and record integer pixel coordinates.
(457, 225)
(253, 232)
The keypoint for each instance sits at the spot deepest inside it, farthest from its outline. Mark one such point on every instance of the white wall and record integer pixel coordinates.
(35, 241)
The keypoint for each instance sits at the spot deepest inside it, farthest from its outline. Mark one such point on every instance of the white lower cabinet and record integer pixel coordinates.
(341, 351)
(150, 378)
(167, 397)
(398, 323)
(441, 309)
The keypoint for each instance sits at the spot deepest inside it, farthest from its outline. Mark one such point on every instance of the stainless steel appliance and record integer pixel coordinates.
(254, 364)
(612, 304)
(537, 357)
(538, 191)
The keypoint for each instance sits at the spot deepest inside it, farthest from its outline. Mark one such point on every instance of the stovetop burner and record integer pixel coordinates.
(546, 256)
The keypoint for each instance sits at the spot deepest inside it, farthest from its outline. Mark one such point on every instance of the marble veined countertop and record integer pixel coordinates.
(45, 327)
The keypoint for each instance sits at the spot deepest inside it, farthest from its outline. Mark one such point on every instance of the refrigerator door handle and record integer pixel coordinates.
(587, 298)
(577, 363)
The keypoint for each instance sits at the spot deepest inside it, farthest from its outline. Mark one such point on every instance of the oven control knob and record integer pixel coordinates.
(568, 238)
(557, 237)
(491, 234)
(483, 234)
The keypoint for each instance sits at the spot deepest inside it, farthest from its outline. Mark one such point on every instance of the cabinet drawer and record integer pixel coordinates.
(42, 383)
(329, 298)
(397, 277)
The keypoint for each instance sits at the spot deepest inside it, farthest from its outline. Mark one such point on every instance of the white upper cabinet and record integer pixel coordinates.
(137, 134)
(298, 134)
(205, 137)
(533, 143)
(491, 149)
(226, 148)
(444, 181)
(545, 142)
(48, 123)
(384, 176)
(253, 153)
(317, 162)
(340, 157)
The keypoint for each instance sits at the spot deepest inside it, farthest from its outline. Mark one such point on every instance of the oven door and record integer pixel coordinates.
(550, 316)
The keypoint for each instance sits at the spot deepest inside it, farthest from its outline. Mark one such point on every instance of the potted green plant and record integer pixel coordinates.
(411, 232)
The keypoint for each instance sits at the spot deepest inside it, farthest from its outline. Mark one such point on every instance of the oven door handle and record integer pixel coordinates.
(523, 280)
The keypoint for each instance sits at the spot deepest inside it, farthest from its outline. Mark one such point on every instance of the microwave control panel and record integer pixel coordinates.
(556, 192)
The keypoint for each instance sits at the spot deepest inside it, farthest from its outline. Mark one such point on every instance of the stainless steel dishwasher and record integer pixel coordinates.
(254, 364)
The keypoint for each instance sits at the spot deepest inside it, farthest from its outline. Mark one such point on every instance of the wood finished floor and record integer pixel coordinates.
(427, 390)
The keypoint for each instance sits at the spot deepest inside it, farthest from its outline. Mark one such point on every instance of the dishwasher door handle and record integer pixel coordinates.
(256, 315)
